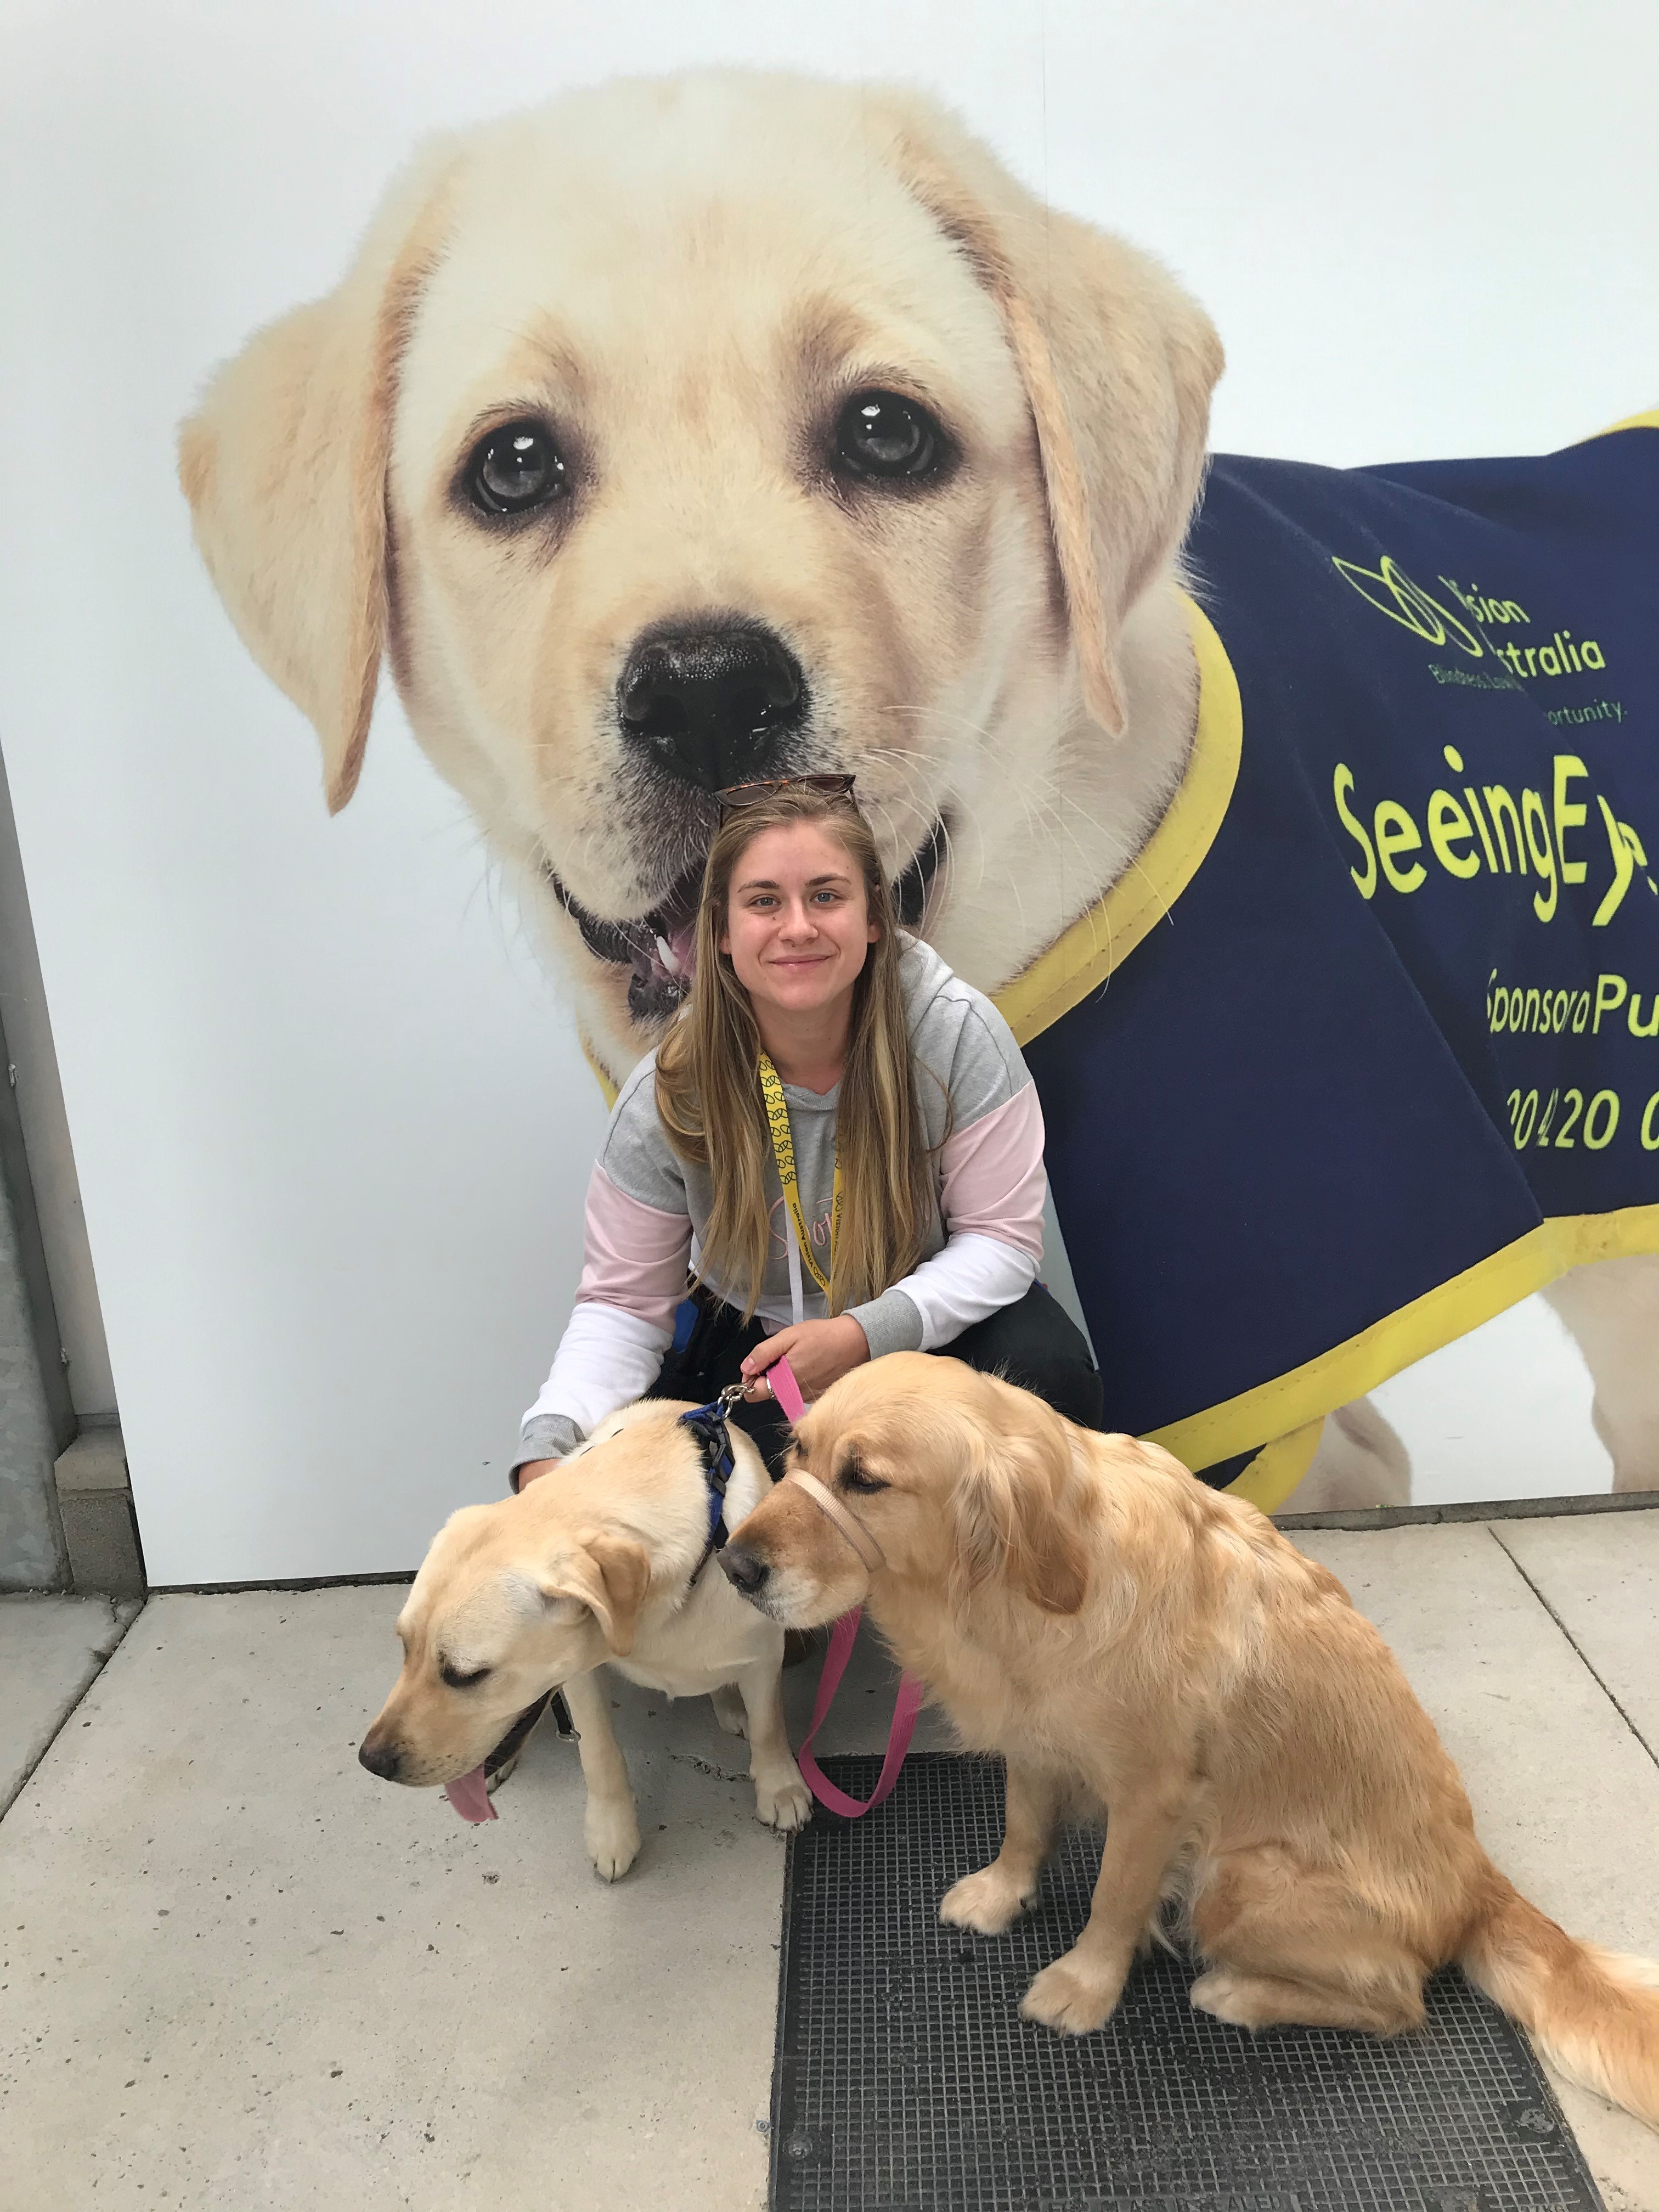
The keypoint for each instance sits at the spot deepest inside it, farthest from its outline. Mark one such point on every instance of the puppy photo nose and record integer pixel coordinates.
(743, 1569)
(712, 706)
(381, 1758)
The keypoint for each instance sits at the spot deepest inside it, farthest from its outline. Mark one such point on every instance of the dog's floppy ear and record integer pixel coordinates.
(1118, 364)
(1015, 1508)
(610, 1575)
(284, 465)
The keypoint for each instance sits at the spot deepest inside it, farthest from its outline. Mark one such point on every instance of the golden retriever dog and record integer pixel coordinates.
(1136, 1644)
(688, 431)
(595, 1565)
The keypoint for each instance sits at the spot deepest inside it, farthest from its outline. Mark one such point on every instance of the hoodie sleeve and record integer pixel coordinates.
(991, 1188)
(637, 1242)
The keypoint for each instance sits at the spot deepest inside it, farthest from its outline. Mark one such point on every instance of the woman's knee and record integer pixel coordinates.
(1072, 1385)
(1036, 1344)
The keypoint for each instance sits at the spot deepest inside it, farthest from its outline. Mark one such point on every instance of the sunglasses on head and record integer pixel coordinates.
(739, 795)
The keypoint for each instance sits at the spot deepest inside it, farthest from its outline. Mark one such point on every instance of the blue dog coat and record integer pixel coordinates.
(1385, 1056)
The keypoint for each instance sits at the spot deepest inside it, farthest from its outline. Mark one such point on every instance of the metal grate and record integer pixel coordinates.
(905, 2082)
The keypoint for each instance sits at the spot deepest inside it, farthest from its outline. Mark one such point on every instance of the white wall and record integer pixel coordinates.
(332, 1128)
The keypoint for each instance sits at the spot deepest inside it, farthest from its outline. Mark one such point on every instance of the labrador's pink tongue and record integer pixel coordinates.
(470, 1799)
(682, 943)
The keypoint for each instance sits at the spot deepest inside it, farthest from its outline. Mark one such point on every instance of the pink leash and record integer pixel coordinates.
(842, 1635)
(905, 1708)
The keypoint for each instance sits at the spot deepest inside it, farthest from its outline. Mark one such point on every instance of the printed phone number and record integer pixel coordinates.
(1564, 1121)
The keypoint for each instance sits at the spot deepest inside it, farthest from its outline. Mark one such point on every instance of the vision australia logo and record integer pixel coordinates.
(1392, 592)
(1389, 589)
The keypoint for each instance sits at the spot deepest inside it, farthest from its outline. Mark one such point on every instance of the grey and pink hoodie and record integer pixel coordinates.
(646, 1207)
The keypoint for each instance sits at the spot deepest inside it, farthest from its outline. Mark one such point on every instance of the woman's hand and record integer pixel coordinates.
(819, 1351)
(532, 1468)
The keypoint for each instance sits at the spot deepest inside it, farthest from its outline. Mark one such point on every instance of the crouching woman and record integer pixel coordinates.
(837, 1138)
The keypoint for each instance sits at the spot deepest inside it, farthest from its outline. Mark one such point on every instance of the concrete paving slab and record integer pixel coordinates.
(50, 1649)
(240, 1970)
(1600, 1577)
(1565, 1796)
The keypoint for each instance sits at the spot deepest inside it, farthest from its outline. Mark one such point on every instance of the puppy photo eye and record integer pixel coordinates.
(879, 435)
(515, 469)
(457, 1680)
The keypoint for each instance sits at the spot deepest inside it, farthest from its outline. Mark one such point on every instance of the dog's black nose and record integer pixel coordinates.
(712, 705)
(743, 1570)
(381, 1758)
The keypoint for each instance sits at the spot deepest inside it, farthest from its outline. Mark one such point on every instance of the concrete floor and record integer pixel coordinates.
(234, 1971)
(51, 1648)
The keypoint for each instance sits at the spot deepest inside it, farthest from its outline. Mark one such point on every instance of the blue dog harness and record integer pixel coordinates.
(1385, 1059)
(710, 1428)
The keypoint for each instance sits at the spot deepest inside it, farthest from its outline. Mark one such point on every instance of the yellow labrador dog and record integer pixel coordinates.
(605, 1563)
(1137, 1644)
(685, 432)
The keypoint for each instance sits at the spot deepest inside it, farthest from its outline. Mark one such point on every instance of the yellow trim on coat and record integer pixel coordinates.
(1273, 1410)
(1102, 939)
(1278, 1467)
(610, 1090)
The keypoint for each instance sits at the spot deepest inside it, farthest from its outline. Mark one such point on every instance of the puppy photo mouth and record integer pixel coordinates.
(659, 948)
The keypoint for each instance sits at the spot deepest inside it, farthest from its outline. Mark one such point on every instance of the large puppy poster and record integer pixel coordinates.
(1335, 1029)
(670, 429)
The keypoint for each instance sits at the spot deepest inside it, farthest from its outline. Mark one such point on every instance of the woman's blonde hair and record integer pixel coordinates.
(708, 1086)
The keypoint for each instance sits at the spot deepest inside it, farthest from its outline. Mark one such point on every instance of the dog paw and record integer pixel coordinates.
(1219, 1994)
(1065, 1998)
(785, 1805)
(611, 1833)
(988, 1902)
(729, 1710)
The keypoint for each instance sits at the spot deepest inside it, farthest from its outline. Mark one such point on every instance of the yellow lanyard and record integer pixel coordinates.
(783, 1148)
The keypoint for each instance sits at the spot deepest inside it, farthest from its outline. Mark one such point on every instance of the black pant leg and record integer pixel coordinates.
(1035, 1344)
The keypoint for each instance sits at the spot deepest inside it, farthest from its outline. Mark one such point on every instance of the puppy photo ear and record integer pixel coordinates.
(284, 465)
(1016, 1511)
(610, 1575)
(1118, 364)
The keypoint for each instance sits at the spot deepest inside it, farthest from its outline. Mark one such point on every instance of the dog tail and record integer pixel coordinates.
(1593, 2013)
